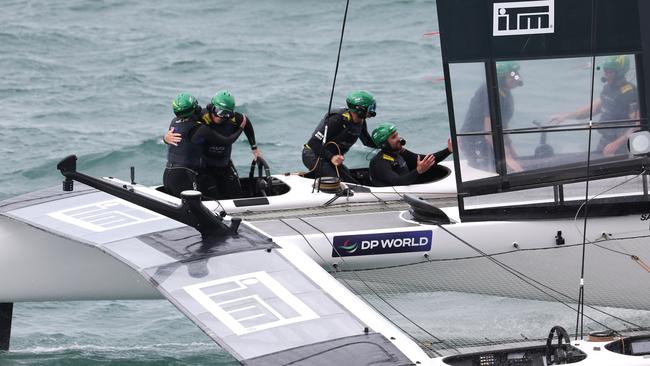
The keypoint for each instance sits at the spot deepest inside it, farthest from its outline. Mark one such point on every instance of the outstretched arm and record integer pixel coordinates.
(250, 135)
(365, 137)
(581, 113)
(611, 148)
(382, 171)
(204, 133)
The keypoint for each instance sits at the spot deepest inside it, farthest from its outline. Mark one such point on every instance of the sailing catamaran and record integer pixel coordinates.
(344, 283)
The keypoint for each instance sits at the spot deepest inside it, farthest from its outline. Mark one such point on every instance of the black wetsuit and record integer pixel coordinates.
(342, 133)
(186, 159)
(617, 102)
(476, 149)
(218, 178)
(391, 168)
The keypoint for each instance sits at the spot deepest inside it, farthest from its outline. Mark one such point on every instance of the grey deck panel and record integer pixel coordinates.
(362, 350)
(42, 196)
(243, 293)
(95, 217)
(241, 301)
(333, 224)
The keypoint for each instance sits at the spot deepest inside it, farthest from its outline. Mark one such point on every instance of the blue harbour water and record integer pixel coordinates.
(96, 78)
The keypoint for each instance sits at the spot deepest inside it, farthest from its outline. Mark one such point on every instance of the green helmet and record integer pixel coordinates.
(184, 105)
(620, 64)
(381, 133)
(362, 102)
(504, 67)
(224, 100)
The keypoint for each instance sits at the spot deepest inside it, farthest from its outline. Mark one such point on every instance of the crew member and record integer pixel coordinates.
(335, 135)
(618, 102)
(218, 178)
(186, 139)
(478, 150)
(394, 165)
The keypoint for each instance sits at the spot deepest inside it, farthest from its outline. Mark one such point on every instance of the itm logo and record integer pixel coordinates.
(349, 248)
(523, 17)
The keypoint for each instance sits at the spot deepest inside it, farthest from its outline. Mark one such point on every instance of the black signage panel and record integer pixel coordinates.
(473, 30)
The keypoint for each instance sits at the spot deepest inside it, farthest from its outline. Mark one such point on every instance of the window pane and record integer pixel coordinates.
(615, 93)
(602, 188)
(472, 115)
(548, 149)
(540, 97)
(513, 198)
(615, 103)
(539, 90)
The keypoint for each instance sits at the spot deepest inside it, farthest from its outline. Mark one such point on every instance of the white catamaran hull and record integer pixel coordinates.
(41, 263)
(300, 193)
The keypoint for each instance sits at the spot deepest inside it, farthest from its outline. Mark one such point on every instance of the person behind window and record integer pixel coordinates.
(618, 102)
(479, 150)
(394, 165)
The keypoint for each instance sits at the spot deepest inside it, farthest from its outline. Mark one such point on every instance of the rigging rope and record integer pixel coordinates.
(438, 340)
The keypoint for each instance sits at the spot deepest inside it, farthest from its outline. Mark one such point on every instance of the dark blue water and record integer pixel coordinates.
(96, 79)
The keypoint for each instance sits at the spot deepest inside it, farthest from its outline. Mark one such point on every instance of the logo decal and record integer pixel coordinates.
(250, 302)
(523, 17)
(384, 243)
(106, 215)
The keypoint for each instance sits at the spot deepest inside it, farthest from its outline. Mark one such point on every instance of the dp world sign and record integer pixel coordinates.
(384, 243)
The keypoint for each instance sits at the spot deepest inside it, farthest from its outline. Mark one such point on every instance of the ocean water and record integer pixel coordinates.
(96, 78)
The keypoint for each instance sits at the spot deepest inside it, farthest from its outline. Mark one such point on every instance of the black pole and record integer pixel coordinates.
(581, 290)
(6, 312)
(329, 107)
(190, 212)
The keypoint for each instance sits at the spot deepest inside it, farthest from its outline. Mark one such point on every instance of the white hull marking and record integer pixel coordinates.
(252, 286)
(105, 215)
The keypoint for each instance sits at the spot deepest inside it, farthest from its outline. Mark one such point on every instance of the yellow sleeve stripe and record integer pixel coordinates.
(626, 88)
(388, 157)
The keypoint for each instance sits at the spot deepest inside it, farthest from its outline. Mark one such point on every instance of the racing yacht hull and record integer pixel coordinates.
(43, 259)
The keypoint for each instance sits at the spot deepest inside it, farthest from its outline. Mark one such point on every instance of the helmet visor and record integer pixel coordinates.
(222, 113)
(372, 110)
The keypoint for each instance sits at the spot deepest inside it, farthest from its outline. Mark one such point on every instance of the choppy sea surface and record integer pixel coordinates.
(96, 78)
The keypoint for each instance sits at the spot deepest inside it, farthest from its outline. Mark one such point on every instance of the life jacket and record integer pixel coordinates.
(346, 138)
(616, 104)
(615, 101)
(186, 154)
(397, 164)
(220, 155)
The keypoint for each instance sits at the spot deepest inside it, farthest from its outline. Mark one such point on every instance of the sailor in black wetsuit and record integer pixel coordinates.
(340, 129)
(396, 166)
(219, 178)
(618, 102)
(478, 150)
(186, 137)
